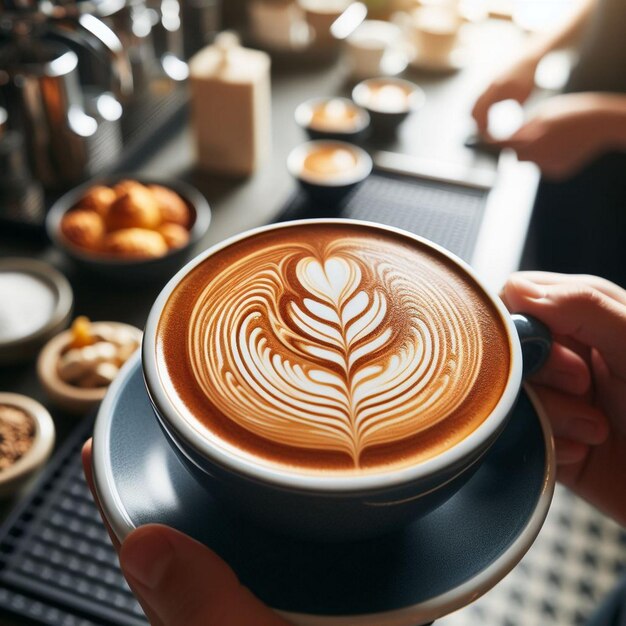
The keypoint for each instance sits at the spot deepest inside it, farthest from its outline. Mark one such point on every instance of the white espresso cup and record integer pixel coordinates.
(321, 14)
(369, 48)
(274, 23)
(433, 31)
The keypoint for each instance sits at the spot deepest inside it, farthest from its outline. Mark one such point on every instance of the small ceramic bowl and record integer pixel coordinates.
(131, 269)
(14, 477)
(69, 397)
(389, 101)
(329, 170)
(36, 302)
(332, 118)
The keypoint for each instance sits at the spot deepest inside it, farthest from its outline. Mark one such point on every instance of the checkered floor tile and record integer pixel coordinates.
(576, 560)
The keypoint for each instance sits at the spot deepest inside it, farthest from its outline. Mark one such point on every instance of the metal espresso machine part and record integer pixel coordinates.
(21, 196)
(68, 119)
(87, 85)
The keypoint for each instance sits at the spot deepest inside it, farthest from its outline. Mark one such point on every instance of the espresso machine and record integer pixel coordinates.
(83, 80)
(63, 78)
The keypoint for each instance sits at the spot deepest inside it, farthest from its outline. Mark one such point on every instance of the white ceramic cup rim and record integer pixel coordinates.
(415, 96)
(305, 110)
(361, 170)
(192, 435)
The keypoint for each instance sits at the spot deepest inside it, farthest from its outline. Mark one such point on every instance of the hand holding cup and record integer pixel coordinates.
(583, 384)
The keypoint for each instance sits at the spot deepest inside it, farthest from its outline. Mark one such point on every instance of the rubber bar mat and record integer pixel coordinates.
(449, 214)
(578, 558)
(57, 565)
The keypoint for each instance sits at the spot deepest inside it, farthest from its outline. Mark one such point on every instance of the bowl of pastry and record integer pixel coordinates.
(129, 228)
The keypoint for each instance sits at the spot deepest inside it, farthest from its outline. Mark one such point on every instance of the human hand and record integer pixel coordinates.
(180, 582)
(516, 83)
(566, 133)
(582, 387)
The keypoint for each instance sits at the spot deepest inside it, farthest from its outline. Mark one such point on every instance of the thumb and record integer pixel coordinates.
(577, 310)
(184, 583)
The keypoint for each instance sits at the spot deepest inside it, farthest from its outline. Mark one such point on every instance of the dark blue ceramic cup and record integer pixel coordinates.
(331, 507)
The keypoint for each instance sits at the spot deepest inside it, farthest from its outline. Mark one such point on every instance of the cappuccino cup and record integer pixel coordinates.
(333, 379)
(274, 22)
(329, 170)
(433, 30)
(374, 49)
(321, 15)
(388, 101)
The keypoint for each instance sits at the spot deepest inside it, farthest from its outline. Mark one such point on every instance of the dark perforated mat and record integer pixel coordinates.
(57, 565)
(449, 214)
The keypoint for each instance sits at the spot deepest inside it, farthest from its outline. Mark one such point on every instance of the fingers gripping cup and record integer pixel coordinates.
(331, 378)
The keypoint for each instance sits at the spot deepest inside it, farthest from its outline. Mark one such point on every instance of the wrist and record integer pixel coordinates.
(533, 55)
(539, 45)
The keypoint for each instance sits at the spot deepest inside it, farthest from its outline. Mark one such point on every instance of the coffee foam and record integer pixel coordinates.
(333, 349)
(329, 163)
(388, 97)
(335, 115)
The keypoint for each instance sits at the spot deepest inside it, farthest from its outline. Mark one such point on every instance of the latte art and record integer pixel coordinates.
(306, 355)
(343, 350)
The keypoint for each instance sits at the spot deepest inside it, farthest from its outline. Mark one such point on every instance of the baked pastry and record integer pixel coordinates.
(123, 186)
(135, 243)
(99, 198)
(173, 208)
(129, 220)
(83, 228)
(136, 208)
(175, 235)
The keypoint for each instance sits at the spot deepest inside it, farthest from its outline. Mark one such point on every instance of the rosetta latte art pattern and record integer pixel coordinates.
(336, 349)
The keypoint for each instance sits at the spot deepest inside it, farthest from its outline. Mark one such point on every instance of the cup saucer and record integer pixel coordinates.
(435, 566)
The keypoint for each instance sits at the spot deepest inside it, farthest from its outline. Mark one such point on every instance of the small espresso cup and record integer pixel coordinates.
(333, 379)
(273, 23)
(432, 30)
(371, 46)
(329, 170)
(321, 15)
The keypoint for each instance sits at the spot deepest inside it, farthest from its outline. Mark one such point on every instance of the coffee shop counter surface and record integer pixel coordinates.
(434, 135)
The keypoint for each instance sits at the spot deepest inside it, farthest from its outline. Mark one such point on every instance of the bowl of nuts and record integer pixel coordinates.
(77, 366)
(26, 440)
(129, 228)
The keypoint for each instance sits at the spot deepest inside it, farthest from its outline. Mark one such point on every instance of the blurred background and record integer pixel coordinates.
(157, 92)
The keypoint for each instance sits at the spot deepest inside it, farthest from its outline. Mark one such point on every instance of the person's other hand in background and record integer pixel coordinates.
(582, 387)
(518, 80)
(516, 83)
(569, 131)
(180, 582)
(566, 132)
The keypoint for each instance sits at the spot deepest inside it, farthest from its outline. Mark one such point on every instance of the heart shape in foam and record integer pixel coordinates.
(334, 281)
(356, 356)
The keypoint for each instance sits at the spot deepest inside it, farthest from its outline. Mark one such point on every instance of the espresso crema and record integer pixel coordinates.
(387, 97)
(332, 348)
(329, 162)
(335, 115)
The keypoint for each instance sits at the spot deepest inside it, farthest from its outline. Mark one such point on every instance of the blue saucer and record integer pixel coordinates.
(435, 566)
